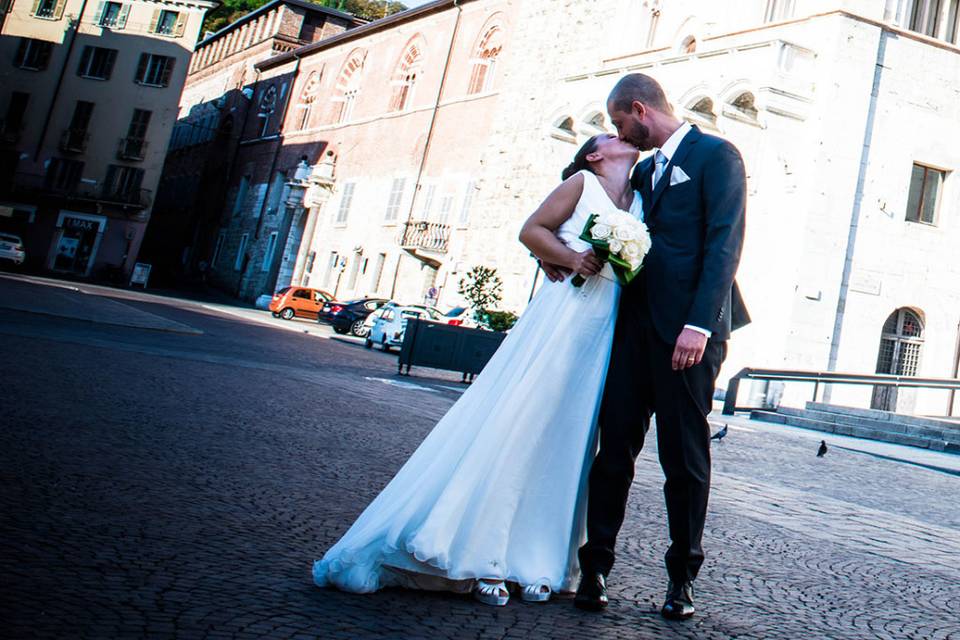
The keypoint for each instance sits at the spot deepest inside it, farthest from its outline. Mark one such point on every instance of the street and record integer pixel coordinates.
(171, 469)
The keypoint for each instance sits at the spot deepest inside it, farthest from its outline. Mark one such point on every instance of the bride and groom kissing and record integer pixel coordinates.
(509, 491)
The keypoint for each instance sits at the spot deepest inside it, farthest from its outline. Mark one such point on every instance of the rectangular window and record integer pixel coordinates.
(276, 193)
(123, 183)
(63, 174)
(33, 55)
(446, 206)
(332, 266)
(16, 109)
(154, 70)
(238, 262)
(354, 272)
(271, 249)
(467, 202)
(133, 146)
(346, 199)
(48, 9)
(396, 197)
(925, 17)
(428, 197)
(778, 10)
(75, 137)
(113, 15)
(96, 63)
(241, 194)
(925, 186)
(217, 249)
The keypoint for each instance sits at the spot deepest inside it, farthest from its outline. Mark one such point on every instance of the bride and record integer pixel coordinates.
(495, 494)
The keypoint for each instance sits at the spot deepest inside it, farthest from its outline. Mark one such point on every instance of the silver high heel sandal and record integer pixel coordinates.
(539, 591)
(494, 594)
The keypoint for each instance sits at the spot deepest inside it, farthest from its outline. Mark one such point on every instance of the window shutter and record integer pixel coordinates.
(122, 17)
(43, 59)
(108, 64)
(36, 7)
(109, 185)
(58, 10)
(181, 24)
(98, 16)
(154, 21)
(142, 68)
(84, 61)
(21, 52)
(167, 70)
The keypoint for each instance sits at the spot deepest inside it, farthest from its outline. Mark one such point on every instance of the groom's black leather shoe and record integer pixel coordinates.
(679, 602)
(592, 592)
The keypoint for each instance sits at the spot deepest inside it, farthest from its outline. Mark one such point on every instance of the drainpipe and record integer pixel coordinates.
(59, 85)
(426, 145)
(855, 213)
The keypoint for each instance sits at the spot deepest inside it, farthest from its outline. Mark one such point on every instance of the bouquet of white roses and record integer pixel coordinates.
(618, 238)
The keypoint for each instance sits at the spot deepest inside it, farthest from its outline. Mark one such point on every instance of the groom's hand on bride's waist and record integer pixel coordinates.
(554, 272)
(689, 350)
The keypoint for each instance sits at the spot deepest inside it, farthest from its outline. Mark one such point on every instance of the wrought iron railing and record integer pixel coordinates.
(430, 236)
(38, 185)
(828, 377)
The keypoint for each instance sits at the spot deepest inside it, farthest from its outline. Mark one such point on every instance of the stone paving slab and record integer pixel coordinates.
(161, 485)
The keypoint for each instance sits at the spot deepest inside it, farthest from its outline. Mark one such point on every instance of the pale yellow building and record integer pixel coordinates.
(89, 93)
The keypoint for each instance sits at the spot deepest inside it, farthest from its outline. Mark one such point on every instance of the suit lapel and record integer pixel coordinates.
(685, 145)
(641, 182)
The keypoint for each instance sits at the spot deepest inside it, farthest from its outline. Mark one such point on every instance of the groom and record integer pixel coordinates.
(671, 336)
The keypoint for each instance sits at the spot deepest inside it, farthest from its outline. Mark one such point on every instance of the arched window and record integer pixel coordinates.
(702, 109)
(405, 76)
(688, 45)
(745, 104)
(485, 55)
(563, 129)
(307, 97)
(593, 123)
(901, 342)
(347, 88)
(268, 104)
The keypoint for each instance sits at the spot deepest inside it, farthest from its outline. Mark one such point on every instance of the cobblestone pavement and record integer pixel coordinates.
(168, 485)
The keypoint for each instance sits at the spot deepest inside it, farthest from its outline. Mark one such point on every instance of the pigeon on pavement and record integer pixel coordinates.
(823, 448)
(720, 435)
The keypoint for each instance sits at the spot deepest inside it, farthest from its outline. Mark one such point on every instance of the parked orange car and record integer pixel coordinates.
(299, 302)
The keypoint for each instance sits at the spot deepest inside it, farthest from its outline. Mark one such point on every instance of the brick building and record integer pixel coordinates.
(431, 136)
(219, 119)
(89, 92)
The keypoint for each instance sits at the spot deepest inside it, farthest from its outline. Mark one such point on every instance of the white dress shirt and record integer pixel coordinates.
(668, 149)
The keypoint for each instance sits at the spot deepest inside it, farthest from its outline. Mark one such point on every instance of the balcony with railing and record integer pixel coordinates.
(74, 140)
(424, 240)
(28, 184)
(132, 148)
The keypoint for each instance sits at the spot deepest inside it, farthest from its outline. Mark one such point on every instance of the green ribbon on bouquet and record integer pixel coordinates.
(621, 268)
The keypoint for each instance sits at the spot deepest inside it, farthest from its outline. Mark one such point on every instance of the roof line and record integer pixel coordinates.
(359, 32)
(310, 6)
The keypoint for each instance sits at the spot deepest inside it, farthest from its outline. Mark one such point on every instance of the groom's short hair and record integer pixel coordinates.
(637, 87)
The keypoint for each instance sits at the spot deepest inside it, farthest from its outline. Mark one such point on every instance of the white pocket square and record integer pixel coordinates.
(678, 176)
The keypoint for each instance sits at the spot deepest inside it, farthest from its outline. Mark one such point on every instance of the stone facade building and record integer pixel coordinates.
(432, 135)
(88, 98)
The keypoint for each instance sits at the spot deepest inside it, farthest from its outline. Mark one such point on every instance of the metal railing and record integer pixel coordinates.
(38, 185)
(420, 234)
(828, 377)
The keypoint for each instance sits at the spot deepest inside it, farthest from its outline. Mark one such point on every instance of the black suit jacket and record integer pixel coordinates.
(697, 229)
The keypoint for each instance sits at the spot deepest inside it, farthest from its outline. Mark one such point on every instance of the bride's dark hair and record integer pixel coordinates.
(580, 160)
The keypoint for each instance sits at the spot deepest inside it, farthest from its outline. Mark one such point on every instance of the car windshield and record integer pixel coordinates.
(7, 238)
(352, 302)
(283, 291)
(456, 311)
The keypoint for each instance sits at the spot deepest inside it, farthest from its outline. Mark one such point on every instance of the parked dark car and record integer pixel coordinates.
(348, 317)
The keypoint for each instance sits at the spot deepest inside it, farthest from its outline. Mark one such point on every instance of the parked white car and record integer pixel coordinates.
(11, 248)
(388, 328)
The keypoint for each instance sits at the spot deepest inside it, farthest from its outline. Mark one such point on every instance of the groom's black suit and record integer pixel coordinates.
(697, 228)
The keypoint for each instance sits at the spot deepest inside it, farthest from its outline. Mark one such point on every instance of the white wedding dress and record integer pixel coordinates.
(498, 487)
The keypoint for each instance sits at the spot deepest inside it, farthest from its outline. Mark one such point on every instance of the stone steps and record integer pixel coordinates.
(926, 433)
